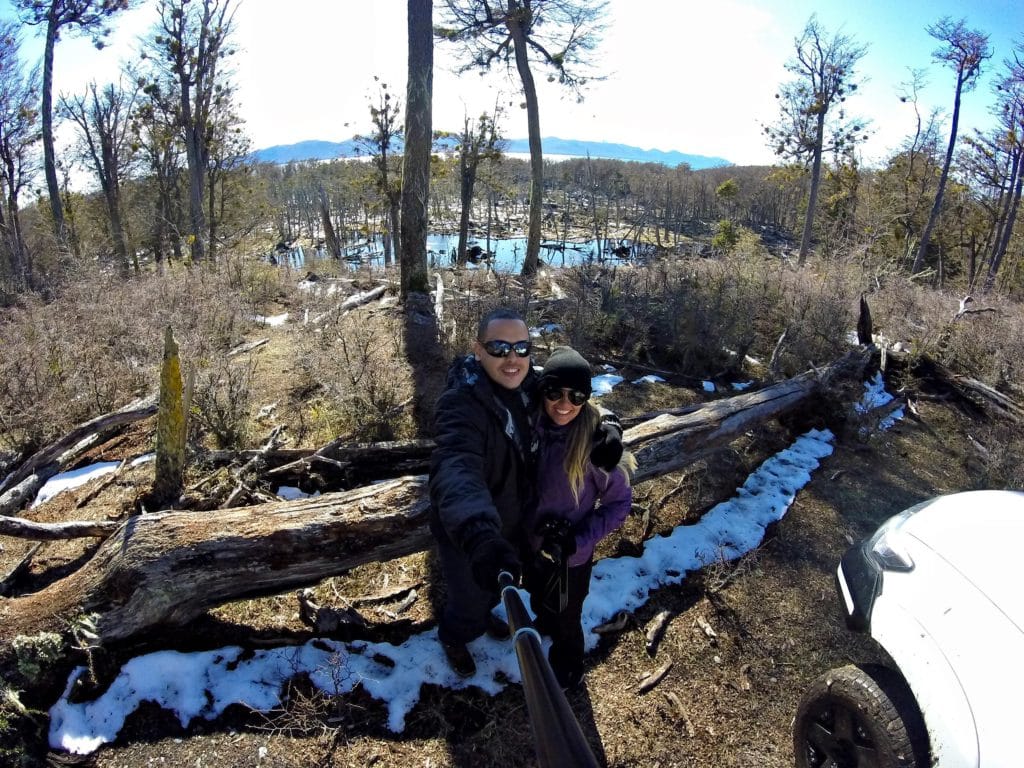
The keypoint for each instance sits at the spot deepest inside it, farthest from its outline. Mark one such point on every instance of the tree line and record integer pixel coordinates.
(167, 150)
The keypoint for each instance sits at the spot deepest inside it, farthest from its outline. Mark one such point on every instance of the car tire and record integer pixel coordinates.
(859, 716)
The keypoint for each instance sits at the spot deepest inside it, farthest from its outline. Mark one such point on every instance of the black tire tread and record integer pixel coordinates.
(883, 701)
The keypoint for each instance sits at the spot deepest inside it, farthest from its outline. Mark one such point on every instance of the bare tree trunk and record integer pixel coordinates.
(812, 197)
(124, 258)
(1008, 224)
(416, 162)
(532, 258)
(933, 217)
(330, 236)
(394, 217)
(21, 264)
(49, 159)
(171, 428)
(196, 185)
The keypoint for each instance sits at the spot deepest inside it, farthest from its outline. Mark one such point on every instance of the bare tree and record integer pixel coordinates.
(191, 46)
(19, 134)
(1009, 145)
(226, 165)
(477, 142)
(155, 130)
(808, 126)
(380, 145)
(90, 17)
(330, 236)
(917, 161)
(560, 34)
(965, 51)
(103, 118)
(416, 160)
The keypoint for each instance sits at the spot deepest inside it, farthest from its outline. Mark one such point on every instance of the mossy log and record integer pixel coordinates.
(170, 428)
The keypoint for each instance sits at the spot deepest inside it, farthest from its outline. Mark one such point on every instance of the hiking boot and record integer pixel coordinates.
(568, 670)
(460, 659)
(570, 678)
(497, 628)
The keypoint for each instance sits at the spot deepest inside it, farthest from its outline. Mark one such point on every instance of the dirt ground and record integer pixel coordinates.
(745, 638)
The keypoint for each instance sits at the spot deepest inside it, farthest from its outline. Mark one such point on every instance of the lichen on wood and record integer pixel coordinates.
(170, 428)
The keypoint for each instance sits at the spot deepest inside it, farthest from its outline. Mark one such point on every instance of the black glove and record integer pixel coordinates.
(558, 540)
(489, 555)
(607, 448)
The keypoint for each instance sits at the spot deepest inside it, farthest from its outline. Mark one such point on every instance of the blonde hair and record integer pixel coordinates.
(581, 442)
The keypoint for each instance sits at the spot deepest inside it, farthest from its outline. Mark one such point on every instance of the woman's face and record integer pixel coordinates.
(561, 411)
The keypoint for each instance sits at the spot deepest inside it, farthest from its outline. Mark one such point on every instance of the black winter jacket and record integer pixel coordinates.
(482, 472)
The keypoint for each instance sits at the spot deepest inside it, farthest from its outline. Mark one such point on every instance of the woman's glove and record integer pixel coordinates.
(558, 540)
(607, 440)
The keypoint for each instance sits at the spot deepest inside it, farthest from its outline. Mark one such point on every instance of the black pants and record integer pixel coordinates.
(564, 627)
(464, 616)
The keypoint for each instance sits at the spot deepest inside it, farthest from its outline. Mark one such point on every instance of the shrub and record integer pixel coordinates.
(349, 364)
(726, 236)
(703, 317)
(98, 345)
(222, 400)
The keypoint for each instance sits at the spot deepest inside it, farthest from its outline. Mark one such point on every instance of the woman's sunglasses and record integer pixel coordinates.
(499, 348)
(554, 394)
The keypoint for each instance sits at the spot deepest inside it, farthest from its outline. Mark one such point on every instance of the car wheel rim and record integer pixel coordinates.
(837, 737)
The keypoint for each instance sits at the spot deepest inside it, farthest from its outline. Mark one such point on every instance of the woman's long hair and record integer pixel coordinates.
(581, 442)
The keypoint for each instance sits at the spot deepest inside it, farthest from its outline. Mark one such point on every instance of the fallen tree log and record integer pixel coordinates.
(20, 528)
(65, 449)
(339, 465)
(251, 468)
(669, 442)
(16, 496)
(356, 300)
(979, 394)
(248, 346)
(167, 568)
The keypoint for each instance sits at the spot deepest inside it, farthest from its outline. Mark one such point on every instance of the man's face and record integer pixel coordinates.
(509, 371)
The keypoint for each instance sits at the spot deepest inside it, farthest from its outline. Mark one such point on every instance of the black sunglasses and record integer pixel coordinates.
(554, 394)
(499, 348)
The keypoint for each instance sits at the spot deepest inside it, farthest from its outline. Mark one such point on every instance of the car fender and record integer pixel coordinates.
(939, 694)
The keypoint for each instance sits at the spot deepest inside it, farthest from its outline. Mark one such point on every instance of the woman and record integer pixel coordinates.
(577, 505)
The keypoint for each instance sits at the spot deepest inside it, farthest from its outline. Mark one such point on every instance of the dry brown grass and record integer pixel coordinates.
(96, 347)
(774, 614)
(351, 382)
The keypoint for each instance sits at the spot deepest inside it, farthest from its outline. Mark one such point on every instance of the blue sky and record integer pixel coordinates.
(697, 77)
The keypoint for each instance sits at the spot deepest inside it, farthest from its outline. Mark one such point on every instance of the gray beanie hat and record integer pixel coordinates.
(566, 368)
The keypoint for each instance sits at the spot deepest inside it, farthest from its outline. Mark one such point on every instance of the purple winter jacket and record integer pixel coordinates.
(604, 499)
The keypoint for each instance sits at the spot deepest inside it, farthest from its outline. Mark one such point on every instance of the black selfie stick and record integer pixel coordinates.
(559, 740)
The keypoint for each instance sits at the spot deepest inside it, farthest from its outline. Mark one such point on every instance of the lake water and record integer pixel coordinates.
(508, 253)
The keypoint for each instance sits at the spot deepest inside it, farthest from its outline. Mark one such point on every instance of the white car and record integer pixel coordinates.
(940, 588)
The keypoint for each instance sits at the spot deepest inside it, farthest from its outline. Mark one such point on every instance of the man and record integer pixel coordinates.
(482, 477)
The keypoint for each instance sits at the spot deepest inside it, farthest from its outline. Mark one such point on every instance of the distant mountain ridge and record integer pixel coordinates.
(553, 147)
